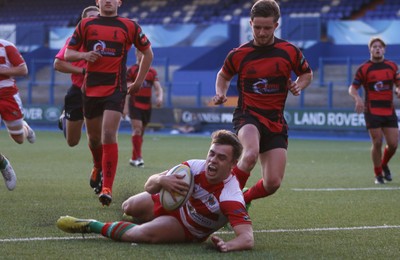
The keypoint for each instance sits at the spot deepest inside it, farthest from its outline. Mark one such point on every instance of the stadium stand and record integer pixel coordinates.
(66, 12)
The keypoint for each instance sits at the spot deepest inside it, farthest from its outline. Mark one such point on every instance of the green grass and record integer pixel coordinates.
(292, 224)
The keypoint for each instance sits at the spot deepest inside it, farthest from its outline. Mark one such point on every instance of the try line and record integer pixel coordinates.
(29, 239)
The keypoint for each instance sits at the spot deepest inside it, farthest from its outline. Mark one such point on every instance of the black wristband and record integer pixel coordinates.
(83, 71)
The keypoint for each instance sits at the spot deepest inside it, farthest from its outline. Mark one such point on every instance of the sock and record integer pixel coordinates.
(242, 176)
(378, 171)
(97, 154)
(114, 230)
(109, 164)
(137, 141)
(387, 155)
(3, 164)
(255, 192)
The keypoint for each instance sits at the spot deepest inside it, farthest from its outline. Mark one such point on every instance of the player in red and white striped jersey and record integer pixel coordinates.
(13, 64)
(216, 200)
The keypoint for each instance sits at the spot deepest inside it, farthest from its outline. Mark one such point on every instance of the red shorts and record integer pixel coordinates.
(10, 104)
(158, 210)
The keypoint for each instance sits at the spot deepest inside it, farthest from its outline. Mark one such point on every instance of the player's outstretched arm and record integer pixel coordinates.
(244, 239)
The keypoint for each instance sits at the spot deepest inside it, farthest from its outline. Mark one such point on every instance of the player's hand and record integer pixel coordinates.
(293, 87)
(133, 88)
(174, 184)
(359, 108)
(397, 91)
(219, 244)
(92, 56)
(219, 99)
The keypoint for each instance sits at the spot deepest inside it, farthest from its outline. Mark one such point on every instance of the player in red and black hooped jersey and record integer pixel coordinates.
(378, 76)
(106, 41)
(139, 107)
(263, 66)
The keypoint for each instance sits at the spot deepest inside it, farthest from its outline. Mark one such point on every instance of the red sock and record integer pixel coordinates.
(378, 171)
(137, 141)
(255, 192)
(109, 163)
(97, 154)
(242, 176)
(115, 230)
(387, 155)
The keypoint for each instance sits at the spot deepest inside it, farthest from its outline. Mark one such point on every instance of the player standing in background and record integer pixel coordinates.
(72, 117)
(377, 76)
(264, 67)
(106, 41)
(216, 200)
(139, 107)
(13, 64)
(8, 173)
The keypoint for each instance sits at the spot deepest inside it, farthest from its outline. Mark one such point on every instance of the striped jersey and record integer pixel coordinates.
(142, 98)
(211, 206)
(378, 78)
(112, 37)
(9, 57)
(263, 73)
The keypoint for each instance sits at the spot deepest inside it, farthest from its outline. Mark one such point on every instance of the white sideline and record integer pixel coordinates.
(346, 189)
(219, 232)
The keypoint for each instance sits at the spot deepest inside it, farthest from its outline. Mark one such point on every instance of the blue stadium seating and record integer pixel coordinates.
(66, 12)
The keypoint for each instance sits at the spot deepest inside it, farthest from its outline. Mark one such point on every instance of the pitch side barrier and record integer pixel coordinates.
(316, 120)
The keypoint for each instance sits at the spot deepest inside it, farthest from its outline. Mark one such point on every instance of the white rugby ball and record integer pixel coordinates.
(166, 199)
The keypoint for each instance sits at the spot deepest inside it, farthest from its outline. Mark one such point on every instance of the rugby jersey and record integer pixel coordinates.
(142, 98)
(378, 78)
(9, 57)
(112, 37)
(263, 72)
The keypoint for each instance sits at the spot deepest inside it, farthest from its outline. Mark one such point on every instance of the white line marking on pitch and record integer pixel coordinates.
(346, 189)
(219, 232)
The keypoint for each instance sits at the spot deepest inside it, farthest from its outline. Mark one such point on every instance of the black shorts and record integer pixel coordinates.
(95, 106)
(374, 121)
(268, 140)
(73, 104)
(143, 115)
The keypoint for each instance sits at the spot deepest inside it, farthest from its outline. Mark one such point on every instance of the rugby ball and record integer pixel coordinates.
(166, 199)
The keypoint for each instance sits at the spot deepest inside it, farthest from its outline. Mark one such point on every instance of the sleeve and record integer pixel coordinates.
(75, 41)
(301, 64)
(236, 213)
(14, 56)
(229, 68)
(141, 41)
(358, 78)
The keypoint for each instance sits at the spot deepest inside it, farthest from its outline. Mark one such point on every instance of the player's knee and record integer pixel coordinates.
(250, 158)
(19, 139)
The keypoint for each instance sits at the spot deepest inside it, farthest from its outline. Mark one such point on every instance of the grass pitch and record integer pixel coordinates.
(327, 207)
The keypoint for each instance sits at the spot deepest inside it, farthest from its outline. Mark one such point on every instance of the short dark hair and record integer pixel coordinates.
(376, 39)
(265, 8)
(88, 9)
(226, 137)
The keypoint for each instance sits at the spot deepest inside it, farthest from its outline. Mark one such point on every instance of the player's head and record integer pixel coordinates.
(377, 48)
(226, 137)
(264, 16)
(90, 11)
(108, 8)
(222, 156)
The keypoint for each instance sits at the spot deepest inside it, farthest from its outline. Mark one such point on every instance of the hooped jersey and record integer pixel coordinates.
(112, 37)
(211, 206)
(142, 98)
(378, 78)
(263, 73)
(9, 57)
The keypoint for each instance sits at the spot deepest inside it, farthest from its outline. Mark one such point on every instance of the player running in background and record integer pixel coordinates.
(72, 117)
(138, 106)
(264, 67)
(12, 64)
(377, 76)
(106, 41)
(8, 173)
(216, 200)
